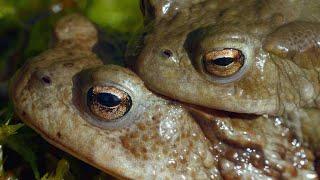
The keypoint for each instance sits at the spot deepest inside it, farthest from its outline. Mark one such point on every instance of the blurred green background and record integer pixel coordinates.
(25, 31)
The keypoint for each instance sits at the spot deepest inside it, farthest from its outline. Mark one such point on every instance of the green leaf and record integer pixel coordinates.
(82, 4)
(123, 16)
(61, 171)
(39, 37)
(19, 145)
(6, 9)
(3, 174)
(9, 114)
(8, 130)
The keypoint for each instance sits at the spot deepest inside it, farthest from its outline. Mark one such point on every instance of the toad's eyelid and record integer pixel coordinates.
(221, 41)
(114, 84)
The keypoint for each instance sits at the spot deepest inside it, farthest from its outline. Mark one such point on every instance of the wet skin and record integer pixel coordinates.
(279, 43)
(253, 57)
(105, 116)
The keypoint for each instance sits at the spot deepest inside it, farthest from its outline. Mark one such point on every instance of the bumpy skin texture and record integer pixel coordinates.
(157, 138)
(280, 41)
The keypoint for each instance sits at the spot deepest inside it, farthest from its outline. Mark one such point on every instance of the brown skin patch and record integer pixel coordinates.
(132, 144)
(141, 126)
(58, 134)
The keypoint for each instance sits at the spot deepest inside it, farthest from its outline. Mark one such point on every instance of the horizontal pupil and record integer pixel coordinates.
(107, 99)
(225, 61)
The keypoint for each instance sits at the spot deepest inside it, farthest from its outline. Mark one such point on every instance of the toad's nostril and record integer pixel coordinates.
(167, 53)
(46, 79)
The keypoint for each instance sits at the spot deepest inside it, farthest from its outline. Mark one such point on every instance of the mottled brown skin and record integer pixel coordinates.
(279, 39)
(157, 138)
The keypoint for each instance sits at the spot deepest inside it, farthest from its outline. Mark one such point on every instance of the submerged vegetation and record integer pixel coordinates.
(26, 30)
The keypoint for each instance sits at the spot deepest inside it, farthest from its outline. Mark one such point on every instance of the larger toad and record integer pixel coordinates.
(253, 57)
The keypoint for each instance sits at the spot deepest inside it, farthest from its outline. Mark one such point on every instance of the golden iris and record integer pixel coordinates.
(223, 63)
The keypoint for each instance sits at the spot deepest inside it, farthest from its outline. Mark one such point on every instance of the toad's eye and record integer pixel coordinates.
(107, 102)
(223, 63)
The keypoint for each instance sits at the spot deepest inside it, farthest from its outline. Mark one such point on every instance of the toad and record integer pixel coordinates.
(105, 116)
(252, 57)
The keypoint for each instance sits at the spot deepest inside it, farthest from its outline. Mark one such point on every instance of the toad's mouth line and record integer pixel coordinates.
(208, 113)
